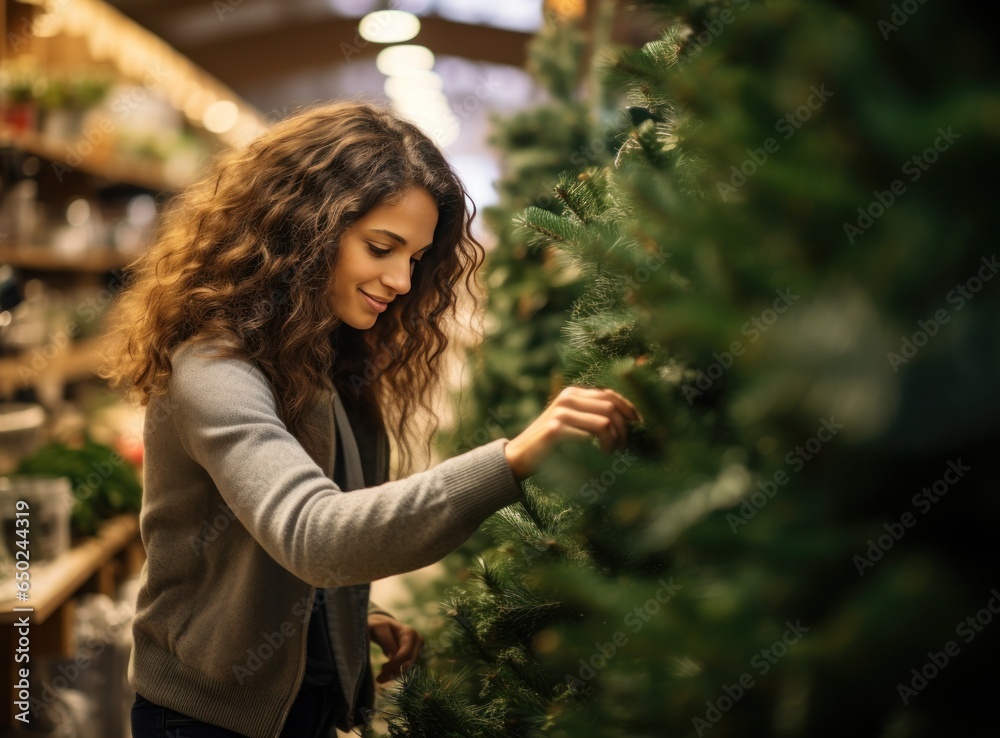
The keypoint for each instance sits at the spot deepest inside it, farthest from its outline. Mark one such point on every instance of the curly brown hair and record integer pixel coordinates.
(248, 252)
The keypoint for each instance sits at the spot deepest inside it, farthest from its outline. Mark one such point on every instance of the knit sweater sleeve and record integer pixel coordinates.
(225, 417)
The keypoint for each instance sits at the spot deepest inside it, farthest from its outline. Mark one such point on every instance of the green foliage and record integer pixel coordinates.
(789, 269)
(104, 484)
(436, 707)
(514, 372)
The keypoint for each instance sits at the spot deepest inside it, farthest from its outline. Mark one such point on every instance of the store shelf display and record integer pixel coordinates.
(100, 122)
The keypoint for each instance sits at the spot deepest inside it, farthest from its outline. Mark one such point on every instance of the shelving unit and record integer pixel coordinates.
(99, 564)
(73, 363)
(106, 159)
(43, 259)
(113, 168)
(91, 35)
(106, 559)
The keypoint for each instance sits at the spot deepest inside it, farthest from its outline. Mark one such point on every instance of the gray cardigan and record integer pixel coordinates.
(242, 524)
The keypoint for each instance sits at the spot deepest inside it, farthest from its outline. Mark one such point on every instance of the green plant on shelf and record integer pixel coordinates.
(76, 92)
(19, 84)
(86, 90)
(104, 483)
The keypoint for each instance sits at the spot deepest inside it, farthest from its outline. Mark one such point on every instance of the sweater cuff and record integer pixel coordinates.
(481, 482)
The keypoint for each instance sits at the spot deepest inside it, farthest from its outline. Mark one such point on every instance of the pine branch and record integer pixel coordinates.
(428, 707)
(545, 228)
(584, 194)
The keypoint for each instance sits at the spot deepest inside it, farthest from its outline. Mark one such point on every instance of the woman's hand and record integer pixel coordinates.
(576, 413)
(400, 643)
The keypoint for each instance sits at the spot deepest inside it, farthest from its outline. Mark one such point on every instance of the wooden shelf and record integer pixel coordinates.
(54, 582)
(113, 167)
(42, 258)
(77, 361)
(96, 564)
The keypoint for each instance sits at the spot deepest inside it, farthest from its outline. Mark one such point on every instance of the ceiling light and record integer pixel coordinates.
(414, 85)
(432, 116)
(78, 212)
(197, 104)
(220, 116)
(141, 210)
(389, 26)
(404, 59)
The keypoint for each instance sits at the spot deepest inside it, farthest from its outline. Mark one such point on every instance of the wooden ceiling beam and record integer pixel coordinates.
(278, 51)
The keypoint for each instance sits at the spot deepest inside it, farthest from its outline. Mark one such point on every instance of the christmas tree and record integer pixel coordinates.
(789, 269)
(514, 370)
(512, 373)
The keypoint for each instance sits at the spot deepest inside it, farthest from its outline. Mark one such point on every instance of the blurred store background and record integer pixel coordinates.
(107, 109)
(768, 222)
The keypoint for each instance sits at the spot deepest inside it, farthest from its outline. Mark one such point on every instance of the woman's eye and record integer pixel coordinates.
(376, 251)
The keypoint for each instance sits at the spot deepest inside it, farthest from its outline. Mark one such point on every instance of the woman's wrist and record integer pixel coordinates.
(515, 460)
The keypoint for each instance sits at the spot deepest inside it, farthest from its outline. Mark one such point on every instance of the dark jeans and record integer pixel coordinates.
(311, 716)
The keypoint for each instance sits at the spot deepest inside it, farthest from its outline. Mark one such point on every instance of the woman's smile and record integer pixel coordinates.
(378, 306)
(378, 256)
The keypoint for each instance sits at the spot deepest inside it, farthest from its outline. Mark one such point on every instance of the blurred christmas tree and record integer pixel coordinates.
(790, 269)
(530, 289)
(514, 371)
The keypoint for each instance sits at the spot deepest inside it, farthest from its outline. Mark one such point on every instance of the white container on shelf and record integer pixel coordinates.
(49, 504)
(21, 432)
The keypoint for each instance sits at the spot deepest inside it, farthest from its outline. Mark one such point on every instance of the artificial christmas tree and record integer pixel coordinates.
(516, 368)
(789, 269)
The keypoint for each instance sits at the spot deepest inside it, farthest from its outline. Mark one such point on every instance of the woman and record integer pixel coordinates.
(290, 315)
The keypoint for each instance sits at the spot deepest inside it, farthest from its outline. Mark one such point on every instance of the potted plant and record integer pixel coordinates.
(19, 87)
(66, 101)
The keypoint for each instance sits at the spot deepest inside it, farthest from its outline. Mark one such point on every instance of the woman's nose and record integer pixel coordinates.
(397, 278)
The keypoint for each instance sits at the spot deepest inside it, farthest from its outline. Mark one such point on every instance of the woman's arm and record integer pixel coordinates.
(225, 417)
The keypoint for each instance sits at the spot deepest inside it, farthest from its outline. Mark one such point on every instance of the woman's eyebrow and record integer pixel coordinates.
(391, 235)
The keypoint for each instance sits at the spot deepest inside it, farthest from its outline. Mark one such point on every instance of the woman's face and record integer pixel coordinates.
(378, 255)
